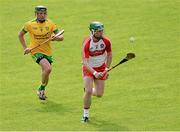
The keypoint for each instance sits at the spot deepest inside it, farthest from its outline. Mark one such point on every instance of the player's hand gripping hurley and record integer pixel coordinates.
(128, 57)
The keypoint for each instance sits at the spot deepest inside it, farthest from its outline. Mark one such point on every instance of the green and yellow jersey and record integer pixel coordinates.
(39, 32)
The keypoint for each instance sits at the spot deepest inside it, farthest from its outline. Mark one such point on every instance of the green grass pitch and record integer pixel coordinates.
(142, 94)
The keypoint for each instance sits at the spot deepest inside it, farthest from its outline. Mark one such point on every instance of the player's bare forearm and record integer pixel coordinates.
(22, 40)
(85, 63)
(23, 43)
(58, 38)
(95, 73)
(109, 59)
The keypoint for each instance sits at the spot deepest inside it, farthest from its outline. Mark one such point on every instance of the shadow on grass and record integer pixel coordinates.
(104, 125)
(51, 106)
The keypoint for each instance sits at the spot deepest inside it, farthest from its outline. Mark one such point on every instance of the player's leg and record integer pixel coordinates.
(88, 84)
(46, 70)
(45, 62)
(99, 88)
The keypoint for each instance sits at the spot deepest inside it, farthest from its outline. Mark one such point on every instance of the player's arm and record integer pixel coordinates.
(109, 54)
(85, 63)
(85, 56)
(58, 38)
(109, 59)
(23, 42)
(95, 73)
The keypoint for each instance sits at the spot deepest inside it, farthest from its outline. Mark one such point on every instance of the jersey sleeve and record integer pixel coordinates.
(85, 48)
(108, 44)
(26, 27)
(54, 28)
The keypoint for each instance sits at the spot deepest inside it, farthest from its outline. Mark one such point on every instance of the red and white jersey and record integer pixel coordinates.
(96, 52)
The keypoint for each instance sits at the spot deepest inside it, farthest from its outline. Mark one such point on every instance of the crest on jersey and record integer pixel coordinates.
(47, 28)
(102, 46)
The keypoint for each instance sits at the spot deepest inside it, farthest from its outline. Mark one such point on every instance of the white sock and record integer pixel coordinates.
(86, 113)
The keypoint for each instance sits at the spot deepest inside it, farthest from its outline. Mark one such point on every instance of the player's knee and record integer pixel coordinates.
(88, 92)
(99, 95)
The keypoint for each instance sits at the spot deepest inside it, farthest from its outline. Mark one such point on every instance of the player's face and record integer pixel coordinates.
(41, 16)
(98, 33)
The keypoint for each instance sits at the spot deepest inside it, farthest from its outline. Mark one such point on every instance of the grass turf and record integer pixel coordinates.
(142, 94)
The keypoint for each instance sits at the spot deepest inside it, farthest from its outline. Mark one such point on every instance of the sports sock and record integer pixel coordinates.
(86, 112)
(42, 87)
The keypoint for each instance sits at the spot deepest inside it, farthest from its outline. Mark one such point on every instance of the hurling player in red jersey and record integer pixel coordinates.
(96, 59)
